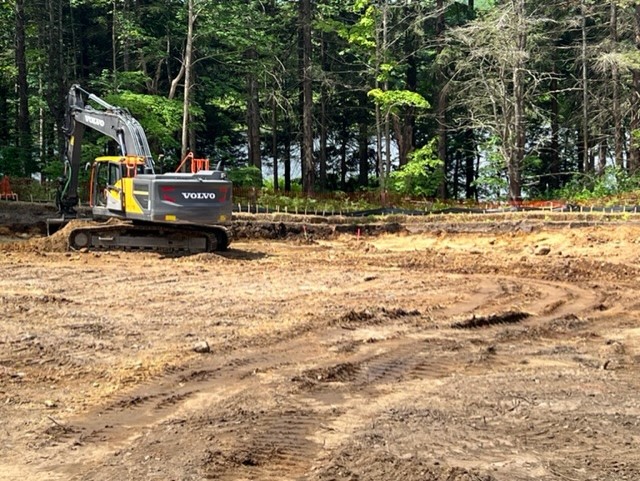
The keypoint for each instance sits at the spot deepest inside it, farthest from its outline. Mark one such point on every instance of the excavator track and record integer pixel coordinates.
(169, 238)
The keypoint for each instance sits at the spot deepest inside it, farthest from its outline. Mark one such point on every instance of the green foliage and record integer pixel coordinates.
(613, 181)
(362, 32)
(295, 203)
(296, 186)
(31, 190)
(132, 80)
(53, 170)
(249, 176)
(492, 180)
(10, 162)
(358, 44)
(635, 138)
(485, 4)
(392, 100)
(421, 176)
(160, 117)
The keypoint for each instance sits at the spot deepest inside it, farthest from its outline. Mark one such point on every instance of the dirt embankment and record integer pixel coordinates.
(427, 355)
(26, 220)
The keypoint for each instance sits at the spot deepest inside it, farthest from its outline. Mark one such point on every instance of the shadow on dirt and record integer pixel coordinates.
(230, 254)
(474, 322)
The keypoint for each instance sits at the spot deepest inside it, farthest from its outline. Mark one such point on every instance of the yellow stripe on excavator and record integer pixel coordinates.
(130, 201)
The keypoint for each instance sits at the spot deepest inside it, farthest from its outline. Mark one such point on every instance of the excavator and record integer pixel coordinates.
(179, 211)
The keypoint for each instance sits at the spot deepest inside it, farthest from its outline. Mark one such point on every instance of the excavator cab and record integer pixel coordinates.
(111, 181)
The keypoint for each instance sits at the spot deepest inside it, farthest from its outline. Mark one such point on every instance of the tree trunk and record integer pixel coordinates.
(602, 155)
(387, 124)
(379, 156)
(114, 42)
(441, 115)
(55, 81)
(382, 120)
(617, 119)
(273, 14)
(516, 156)
(615, 80)
(274, 142)
(5, 112)
(176, 80)
(287, 154)
(363, 155)
(634, 148)
(126, 41)
(586, 159)
(323, 142)
(470, 191)
(23, 131)
(307, 98)
(188, 61)
(457, 163)
(344, 138)
(580, 149)
(253, 111)
(322, 160)
(404, 125)
(554, 149)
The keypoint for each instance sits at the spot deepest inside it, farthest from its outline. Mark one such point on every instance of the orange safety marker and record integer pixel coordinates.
(5, 190)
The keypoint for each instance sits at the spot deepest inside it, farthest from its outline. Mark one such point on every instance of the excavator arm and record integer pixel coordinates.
(114, 122)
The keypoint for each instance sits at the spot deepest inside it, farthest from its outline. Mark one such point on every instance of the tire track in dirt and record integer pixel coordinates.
(326, 386)
(282, 444)
(367, 376)
(545, 300)
(265, 445)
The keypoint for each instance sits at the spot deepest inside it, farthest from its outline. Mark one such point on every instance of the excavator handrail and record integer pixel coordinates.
(195, 164)
(131, 163)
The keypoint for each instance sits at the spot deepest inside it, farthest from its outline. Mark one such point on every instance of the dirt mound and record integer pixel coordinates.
(201, 258)
(280, 230)
(371, 462)
(474, 321)
(373, 316)
(57, 242)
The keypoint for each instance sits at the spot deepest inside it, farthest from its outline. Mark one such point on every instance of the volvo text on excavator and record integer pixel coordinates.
(181, 211)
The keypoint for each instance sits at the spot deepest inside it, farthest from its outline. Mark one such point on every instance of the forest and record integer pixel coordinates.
(459, 100)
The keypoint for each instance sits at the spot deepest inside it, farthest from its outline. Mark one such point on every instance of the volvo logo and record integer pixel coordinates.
(93, 121)
(199, 195)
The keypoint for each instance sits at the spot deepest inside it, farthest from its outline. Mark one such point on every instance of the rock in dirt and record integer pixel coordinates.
(542, 250)
(202, 347)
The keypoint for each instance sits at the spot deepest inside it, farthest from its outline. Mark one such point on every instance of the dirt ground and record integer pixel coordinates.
(496, 354)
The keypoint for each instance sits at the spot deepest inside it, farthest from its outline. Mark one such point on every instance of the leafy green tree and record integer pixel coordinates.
(249, 176)
(421, 176)
(160, 117)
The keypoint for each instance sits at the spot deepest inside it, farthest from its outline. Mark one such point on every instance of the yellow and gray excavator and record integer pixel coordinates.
(181, 211)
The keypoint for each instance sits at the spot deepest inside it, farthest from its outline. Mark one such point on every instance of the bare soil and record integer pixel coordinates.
(499, 351)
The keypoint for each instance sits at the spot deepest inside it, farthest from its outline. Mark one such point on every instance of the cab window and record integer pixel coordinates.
(101, 182)
(114, 173)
